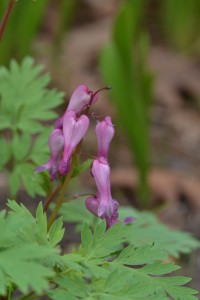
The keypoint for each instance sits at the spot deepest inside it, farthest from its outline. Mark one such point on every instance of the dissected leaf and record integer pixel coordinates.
(25, 102)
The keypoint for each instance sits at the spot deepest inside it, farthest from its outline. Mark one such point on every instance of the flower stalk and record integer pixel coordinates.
(61, 198)
(6, 16)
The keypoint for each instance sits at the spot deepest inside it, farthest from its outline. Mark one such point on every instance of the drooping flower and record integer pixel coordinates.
(92, 204)
(103, 205)
(79, 100)
(56, 145)
(104, 132)
(74, 130)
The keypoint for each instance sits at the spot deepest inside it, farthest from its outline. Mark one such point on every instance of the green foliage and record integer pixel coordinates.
(132, 84)
(107, 264)
(147, 229)
(27, 253)
(181, 29)
(19, 45)
(25, 19)
(105, 271)
(25, 101)
(82, 168)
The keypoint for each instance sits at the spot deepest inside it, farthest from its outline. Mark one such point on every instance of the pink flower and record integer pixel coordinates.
(74, 130)
(104, 132)
(103, 205)
(92, 204)
(56, 145)
(79, 100)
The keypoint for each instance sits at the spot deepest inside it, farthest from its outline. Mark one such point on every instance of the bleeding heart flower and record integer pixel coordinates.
(103, 205)
(56, 145)
(92, 204)
(104, 132)
(74, 130)
(79, 100)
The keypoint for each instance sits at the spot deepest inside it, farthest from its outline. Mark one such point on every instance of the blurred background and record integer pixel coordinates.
(149, 51)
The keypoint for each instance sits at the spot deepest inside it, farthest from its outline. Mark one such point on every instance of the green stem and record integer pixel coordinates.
(65, 185)
(6, 17)
(51, 197)
(9, 293)
(78, 197)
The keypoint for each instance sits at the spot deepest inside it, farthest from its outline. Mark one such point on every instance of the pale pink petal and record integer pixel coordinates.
(104, 132)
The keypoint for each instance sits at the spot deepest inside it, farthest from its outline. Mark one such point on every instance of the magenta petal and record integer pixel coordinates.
(42, 168)
(80, 130)
(56, 143)
(101, 172)
(104, 132)
(63, 167)
(102, 209)
(92, 205)
(59, 123)
(113, 218)
(74, 130)
(79, 99)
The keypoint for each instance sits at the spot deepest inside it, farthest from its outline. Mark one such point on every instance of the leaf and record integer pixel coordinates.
(105, 244)
(27, 258)
(147, 230)
(40, 150)
(56, 232)
(14, 180)
(147, 254)
(126, 57)
(30, 180)
(86, 238)
(75, 287)
(21, 146)
(75, 211)
(36, 228)
(159, 268)
(26, 102)
(18, 262)
(60, 294)
(41, 219)
(82, 168)
(5, 152)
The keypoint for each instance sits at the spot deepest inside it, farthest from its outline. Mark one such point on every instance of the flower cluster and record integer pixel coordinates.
(68, 132)
(103, 205)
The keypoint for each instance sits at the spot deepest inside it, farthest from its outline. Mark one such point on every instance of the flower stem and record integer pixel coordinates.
(6, 17)
(65, 185)
(51, 197)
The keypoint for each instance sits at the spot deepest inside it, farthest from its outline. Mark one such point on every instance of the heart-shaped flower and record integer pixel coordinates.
(74, 130)
(56, 145)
